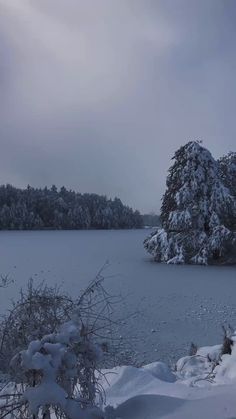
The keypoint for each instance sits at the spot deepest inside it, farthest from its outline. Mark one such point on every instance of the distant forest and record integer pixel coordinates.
(151, 220)
(33, 208)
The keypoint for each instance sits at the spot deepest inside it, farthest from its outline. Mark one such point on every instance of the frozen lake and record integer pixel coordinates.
(176, 304)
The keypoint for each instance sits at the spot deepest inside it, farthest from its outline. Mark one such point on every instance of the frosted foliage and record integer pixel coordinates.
(55, 361)
(180, 220)
(198, 212)
(159, 242)
(227, 165)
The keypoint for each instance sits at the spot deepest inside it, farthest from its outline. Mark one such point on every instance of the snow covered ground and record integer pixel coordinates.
(192, 391)
(174, 305)
(139, 395)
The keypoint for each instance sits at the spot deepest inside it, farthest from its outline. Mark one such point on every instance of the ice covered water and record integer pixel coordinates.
(171, 305)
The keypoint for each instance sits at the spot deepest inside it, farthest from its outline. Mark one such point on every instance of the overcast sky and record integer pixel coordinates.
(97, 95)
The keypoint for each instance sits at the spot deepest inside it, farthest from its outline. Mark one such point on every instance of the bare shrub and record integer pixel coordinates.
(193, 349)
(5, 280)
(227, 340)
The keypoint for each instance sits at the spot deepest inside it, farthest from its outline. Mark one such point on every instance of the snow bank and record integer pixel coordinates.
(202, 385)
(136, 394)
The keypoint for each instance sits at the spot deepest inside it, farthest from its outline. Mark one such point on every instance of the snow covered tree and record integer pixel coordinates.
(197, 213)
(227, 167)
(30, 208)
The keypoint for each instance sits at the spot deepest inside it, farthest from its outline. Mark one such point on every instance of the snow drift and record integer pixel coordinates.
(202, 385)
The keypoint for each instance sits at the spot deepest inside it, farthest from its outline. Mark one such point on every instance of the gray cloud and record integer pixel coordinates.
(97, 95)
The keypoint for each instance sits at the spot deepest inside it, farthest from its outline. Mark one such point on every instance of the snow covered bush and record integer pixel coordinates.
(39, 310)
(52, 350)
(57, 350)
(208, 362)
(198, 212)
(56, 375)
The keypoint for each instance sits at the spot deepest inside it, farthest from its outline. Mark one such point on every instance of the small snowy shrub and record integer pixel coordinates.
(57, 373)
(209, 363)
(38, 311)
(58, 346)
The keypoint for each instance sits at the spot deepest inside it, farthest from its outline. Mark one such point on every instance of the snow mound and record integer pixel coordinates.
(201, 386)
(161, 371)
(148, 407)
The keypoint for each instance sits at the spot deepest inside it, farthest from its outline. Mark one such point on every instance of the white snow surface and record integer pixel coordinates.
(156, 392)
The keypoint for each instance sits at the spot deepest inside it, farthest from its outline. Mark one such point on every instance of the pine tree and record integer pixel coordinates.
(197, 208)
(196, 198)
(227, 165)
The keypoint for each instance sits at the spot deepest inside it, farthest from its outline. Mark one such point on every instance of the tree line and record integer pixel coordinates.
(50, 208)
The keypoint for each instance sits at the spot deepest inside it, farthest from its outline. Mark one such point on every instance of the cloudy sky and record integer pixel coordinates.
(97, 95)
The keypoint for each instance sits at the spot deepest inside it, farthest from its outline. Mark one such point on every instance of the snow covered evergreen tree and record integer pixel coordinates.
(227, 166)
(228, 171)
(197, 213)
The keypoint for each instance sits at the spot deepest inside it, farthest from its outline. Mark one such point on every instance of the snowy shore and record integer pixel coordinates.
(198, 388)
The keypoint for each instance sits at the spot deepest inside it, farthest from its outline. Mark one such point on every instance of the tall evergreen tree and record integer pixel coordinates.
(227, 165)
(196, 198)
(197, 213)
